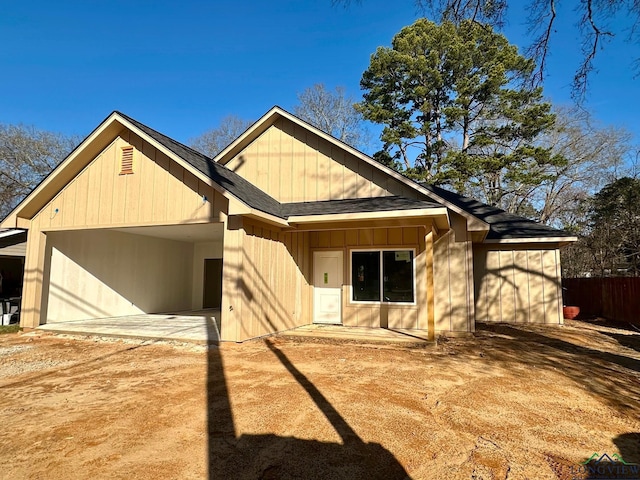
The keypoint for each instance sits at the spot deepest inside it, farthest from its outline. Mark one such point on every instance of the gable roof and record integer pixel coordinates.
(269, 118)
(236, 185)
(502, 225)
(499, 225)
(226, 179)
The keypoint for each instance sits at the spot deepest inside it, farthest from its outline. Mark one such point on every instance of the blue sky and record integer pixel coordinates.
(180, 67)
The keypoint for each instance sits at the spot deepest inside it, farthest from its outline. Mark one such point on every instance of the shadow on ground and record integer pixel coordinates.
(612, 376)
(629, 446)
(277, 457)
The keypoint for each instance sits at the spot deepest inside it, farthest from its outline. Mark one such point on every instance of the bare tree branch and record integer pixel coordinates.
(590, 46)
(542, 23)
(215, 140)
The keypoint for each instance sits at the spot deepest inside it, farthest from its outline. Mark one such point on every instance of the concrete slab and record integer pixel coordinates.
(193, 327)
(203, 327)
(359, 334)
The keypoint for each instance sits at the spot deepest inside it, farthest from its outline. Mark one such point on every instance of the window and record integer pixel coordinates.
(365, 270)
(126, 161)
(382, 276)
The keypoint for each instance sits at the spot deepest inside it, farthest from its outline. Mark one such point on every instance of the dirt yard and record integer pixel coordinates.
(513, 402)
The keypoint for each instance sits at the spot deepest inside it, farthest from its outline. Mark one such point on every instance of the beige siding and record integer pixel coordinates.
(517, 284)
(159, 192)
(452, 280)
(377, 315)
(294, 165)
(18, 250)
(265, 280)
(36, 267)
(97, 273)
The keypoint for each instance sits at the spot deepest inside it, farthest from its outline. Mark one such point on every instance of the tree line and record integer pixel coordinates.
(455, 109)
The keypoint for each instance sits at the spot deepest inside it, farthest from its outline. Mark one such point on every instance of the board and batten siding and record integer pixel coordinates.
(266, 286)
(518, 285)
(386, 314)
(293, 164)
(17, 250)
(453, 279)
(159, 192)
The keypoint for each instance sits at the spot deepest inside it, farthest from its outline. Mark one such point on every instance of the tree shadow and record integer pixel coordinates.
(241, 456)
(629, 447)
(612, 377)
(629, 341)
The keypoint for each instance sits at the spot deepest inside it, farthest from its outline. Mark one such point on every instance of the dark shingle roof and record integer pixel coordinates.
(502, 225)
(356, 205)
(227, 179)
(259, 200)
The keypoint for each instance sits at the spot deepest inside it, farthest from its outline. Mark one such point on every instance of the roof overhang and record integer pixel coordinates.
(561, 241)
(82, 155)
(89, 148)
(236, 207)
(439, 217)
(9, 238)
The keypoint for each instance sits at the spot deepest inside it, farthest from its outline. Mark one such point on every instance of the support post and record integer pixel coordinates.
(431, 316)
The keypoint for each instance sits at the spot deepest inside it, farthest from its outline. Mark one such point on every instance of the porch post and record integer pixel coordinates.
(431, 317)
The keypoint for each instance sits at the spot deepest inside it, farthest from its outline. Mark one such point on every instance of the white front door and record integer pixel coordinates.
(327, 287)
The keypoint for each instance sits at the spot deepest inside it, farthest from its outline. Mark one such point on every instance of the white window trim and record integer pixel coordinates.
(381, 279)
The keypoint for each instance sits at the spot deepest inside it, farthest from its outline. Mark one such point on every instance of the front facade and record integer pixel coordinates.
(286, 227)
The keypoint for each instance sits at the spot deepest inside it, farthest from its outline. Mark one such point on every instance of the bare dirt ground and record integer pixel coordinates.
(513, 402)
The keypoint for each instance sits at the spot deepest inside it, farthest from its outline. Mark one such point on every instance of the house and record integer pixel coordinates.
(285, 227)
(13, 246)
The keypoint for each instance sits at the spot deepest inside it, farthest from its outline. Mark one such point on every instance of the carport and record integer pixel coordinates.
(201, 326)
(165, 280)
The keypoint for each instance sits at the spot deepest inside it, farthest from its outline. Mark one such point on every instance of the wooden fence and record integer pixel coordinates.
(613, 298)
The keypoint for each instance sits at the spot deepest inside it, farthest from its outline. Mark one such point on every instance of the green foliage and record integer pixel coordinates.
(9, 328)
(615, 224)
(609, 233)
(455, 109)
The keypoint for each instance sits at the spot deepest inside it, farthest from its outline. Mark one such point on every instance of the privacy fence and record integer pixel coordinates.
(613, 298)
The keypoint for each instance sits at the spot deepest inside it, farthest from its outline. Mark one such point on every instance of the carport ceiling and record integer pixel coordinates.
(206, 232)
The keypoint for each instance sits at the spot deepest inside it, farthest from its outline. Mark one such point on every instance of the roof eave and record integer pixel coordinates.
(169, 153)
(440, 215)
(561, 241)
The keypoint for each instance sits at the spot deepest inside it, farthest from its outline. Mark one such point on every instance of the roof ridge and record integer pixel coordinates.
(193, 150)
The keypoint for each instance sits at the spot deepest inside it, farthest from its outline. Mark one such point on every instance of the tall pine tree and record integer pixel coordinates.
(456, 110)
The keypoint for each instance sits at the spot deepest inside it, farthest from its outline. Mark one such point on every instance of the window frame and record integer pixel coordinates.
(381, 277)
